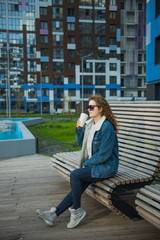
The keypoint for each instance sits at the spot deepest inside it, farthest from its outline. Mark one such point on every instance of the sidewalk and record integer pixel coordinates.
(28, 183)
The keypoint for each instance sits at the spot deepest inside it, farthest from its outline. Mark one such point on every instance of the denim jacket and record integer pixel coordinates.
(104, 160)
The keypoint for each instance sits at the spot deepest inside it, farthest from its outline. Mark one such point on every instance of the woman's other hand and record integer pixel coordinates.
(78, 123)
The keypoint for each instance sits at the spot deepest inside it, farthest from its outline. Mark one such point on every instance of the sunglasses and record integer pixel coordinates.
(91, 107)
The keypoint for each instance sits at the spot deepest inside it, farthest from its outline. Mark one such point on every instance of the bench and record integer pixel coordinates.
(139, 154)
(148, 204)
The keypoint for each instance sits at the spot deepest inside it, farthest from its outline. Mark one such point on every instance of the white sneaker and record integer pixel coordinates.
(76, 216)
(47, 216)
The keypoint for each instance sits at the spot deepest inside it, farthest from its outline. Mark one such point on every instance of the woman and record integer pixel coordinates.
(99, 159)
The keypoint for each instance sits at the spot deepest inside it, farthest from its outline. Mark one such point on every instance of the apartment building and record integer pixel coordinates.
(133, 49)
(54, 54)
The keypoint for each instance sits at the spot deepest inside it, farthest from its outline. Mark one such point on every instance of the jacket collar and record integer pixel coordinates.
(99, 123)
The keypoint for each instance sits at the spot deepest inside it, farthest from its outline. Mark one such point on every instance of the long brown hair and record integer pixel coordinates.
(106, 109)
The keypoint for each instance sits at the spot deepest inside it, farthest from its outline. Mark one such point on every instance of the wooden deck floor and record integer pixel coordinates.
(28, 183)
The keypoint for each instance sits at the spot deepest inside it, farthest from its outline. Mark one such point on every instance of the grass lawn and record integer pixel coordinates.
(62, 131)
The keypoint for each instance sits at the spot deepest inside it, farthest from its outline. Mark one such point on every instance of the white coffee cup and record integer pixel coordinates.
(83, 118)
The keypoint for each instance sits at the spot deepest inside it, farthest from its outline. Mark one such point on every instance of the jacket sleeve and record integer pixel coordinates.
(80, 135)
(105, 148)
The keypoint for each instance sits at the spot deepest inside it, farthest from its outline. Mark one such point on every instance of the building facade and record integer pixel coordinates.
(54, 54)
(153, 50)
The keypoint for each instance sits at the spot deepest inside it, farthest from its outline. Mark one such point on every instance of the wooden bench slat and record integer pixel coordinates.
(152, 195)
(149, 217)
(122, 148)
(138, 137)
(153, 189)
(141, 118)
(134, 146)
(139, 124)
(125, 156)
(148, 208)
(134, 110)
(154, 134)
(148, 200)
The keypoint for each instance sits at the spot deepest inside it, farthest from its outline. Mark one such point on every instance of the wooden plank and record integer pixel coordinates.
(148, 200)
(148, 208)
(151, 195)
(154, 134)
(150, 218)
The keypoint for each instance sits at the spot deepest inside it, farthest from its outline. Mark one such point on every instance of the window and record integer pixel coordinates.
(139, 70)
(70, 26)
(113, 79)
(122, 70)
(85, 2)
(45, 79)
(58, 53)
(30, 25)
(87, 92)
(32, 66)
(71, 39)
(112, 41)
(58, 93)
(2, 9)
(86, 41)
(71, 66)
(100, 3)
(43, 11)
(71, 53)
(70, 12)
(3, 52)
(57, 2)
(122, 5)
(100, 28)
(43, 39)
(101, 91)
(32, 93)
(45, 92)
(87, 67)
(139, 93)
(71, 79)
(43, 25)
(157, 50)
(44, 66)
(15, 24)
(112, 15)
(16, 38)
(86, 14)
(31, 39)
(157, 8)
(139, 82)
(139, 57)
(2, 23)
(122, 57)
(100, 14)
(57, 26)
(30, 10)
(113, 54)
(58, 67)
(100, 67)
(113, 92)
(87, 80)
(44, 52)
(100, 80)
(112, 27)
(113, 66)
(100, 41)
(31, 52)
(139, 6)
(122, 82)
(70, 1)
(113, 2)
(14, 10)
(101, 54)
(71, 92)
(57, 12)
(58, 80)
(85, 27)
(58, 40)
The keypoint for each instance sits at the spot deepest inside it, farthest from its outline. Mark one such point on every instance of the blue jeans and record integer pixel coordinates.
(80, 179)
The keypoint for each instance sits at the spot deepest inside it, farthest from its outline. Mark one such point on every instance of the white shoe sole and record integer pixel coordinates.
(76, 222)
(41, 217)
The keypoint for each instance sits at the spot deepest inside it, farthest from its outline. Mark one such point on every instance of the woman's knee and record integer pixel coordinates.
(74, 174)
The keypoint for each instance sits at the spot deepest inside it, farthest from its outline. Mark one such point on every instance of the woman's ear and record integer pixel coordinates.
(100, 109)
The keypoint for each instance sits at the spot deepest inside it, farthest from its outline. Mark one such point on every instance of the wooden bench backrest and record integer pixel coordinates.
(139, 135)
